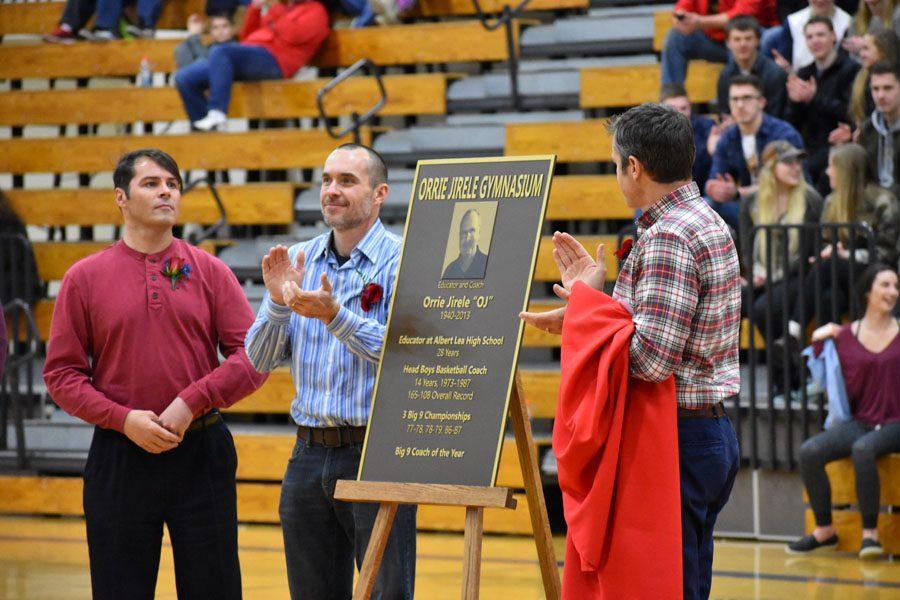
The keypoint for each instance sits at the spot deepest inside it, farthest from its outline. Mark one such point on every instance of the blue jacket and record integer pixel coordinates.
(826, 371)
(729, 154)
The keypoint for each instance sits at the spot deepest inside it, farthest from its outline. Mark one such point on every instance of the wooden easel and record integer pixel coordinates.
(474, 498)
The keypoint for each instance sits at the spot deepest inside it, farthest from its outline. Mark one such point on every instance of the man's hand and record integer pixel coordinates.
(716, 133)
(685, 23)
(759, 279)
(278, 270)
(575, 264)
(176, 417)
(842, 134)
(782, 62)
(799, 90)
(144, 429)
(195, 24)
(550, 321)
(722, 188)
(853, 44)
(319, 304)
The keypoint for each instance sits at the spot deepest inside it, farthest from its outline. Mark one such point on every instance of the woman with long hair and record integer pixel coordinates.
(880, 45)
(869, 353)
(853, 201)
(783, 198)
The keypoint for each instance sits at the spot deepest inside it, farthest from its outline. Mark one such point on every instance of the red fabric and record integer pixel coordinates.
(616, 443)
(292, 33)
(765, 11)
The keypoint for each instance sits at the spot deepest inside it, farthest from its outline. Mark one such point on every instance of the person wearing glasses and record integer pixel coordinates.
(736, 154)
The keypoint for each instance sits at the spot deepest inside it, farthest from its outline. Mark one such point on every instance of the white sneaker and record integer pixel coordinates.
(211, 121)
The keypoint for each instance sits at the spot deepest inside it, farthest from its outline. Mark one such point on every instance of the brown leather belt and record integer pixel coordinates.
(706, 412)
(205, 421)
(331, 437)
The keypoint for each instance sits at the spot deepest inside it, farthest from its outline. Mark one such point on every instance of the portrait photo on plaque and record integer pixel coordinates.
(469, 240)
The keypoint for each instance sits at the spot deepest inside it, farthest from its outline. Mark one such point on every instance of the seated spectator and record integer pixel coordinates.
(880, 134)
(783, 198)
(698, 32)
(221, 31)
(854, 200)
(820, 95)
(735, 162)
(224, 7)
(675, 95)
(75, 17)
(869, 355)
(789, 41)
(872, 16)
(273, 45)
(18, 274)
(742, 40)
(109, 12)
(879, 46)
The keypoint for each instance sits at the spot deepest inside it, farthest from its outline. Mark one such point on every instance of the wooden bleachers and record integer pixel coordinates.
(270, 149)
(602, 87)
(420, 43)
(423, 94)
(41, 17)
(848, 523)
(442, 8)
(662, 23)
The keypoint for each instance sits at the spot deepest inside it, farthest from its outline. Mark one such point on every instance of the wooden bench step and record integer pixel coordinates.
(603, 87)
(843, 481)
(41, 17)
(406, 95)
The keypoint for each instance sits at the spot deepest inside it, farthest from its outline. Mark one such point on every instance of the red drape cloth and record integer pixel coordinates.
(616, 443)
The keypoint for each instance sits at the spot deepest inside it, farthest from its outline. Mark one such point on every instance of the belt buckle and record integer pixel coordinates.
(331, 437)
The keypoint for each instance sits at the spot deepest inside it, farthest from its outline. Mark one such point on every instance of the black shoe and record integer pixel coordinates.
(809, 543)
(870, 549)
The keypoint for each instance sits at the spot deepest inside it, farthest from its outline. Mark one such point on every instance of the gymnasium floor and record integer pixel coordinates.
(46, 559)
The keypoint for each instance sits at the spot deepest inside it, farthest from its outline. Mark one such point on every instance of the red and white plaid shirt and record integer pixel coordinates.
(682, 283)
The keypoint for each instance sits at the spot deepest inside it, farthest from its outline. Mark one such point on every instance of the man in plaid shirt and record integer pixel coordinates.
(681, 282)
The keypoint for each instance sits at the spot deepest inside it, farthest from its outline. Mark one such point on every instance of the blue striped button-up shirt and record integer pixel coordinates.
(333, 366)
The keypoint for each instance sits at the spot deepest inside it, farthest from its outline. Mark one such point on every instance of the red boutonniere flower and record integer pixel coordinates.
(371, 293)
(176, 269)
(624, 250)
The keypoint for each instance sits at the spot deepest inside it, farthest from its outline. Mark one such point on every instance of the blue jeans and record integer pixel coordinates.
(224, 65)
(679, 49)
(774, 38)
(109, 11)
(323, 536)
(709, 460)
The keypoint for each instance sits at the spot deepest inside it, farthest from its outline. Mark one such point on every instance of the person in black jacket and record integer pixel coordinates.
(18, 269)
(820, 95)
(744, 58)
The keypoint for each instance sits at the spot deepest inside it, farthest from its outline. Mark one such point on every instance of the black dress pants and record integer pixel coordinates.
(130, 493)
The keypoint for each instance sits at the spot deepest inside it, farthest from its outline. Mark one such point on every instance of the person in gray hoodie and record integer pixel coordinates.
(880, 135)
(221, 31)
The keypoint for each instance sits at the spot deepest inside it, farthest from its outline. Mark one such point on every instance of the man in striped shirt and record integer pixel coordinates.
(681, 283)
(325, 312)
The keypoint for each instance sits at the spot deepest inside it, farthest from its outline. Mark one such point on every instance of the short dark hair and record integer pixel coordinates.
(377, 168)
(746, 80)
(659, 137)
(124, 172)
(864, 285)
(884, 67)
(672, 90)
(221, 14)
(819, 19)
(742, 23)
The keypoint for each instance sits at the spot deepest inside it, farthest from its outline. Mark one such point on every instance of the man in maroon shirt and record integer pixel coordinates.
(134, 349)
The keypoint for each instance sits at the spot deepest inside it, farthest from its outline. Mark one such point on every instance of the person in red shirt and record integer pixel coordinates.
(698, 32)
(134, 350)
(869, 353)
(276, 40)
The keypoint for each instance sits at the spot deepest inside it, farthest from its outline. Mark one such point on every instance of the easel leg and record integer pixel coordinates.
(540, 522)
(472, 554)
(375, 550)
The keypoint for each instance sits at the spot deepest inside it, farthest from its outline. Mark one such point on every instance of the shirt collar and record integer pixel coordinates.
(367, 246)
(686, 192)
(138, 255)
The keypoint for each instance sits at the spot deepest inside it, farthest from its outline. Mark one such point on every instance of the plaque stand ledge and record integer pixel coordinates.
(474, 498)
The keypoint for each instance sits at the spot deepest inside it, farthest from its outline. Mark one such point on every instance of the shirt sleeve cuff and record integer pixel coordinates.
(278, 313)
(344, 323)
(117, 419)
(194, 399)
